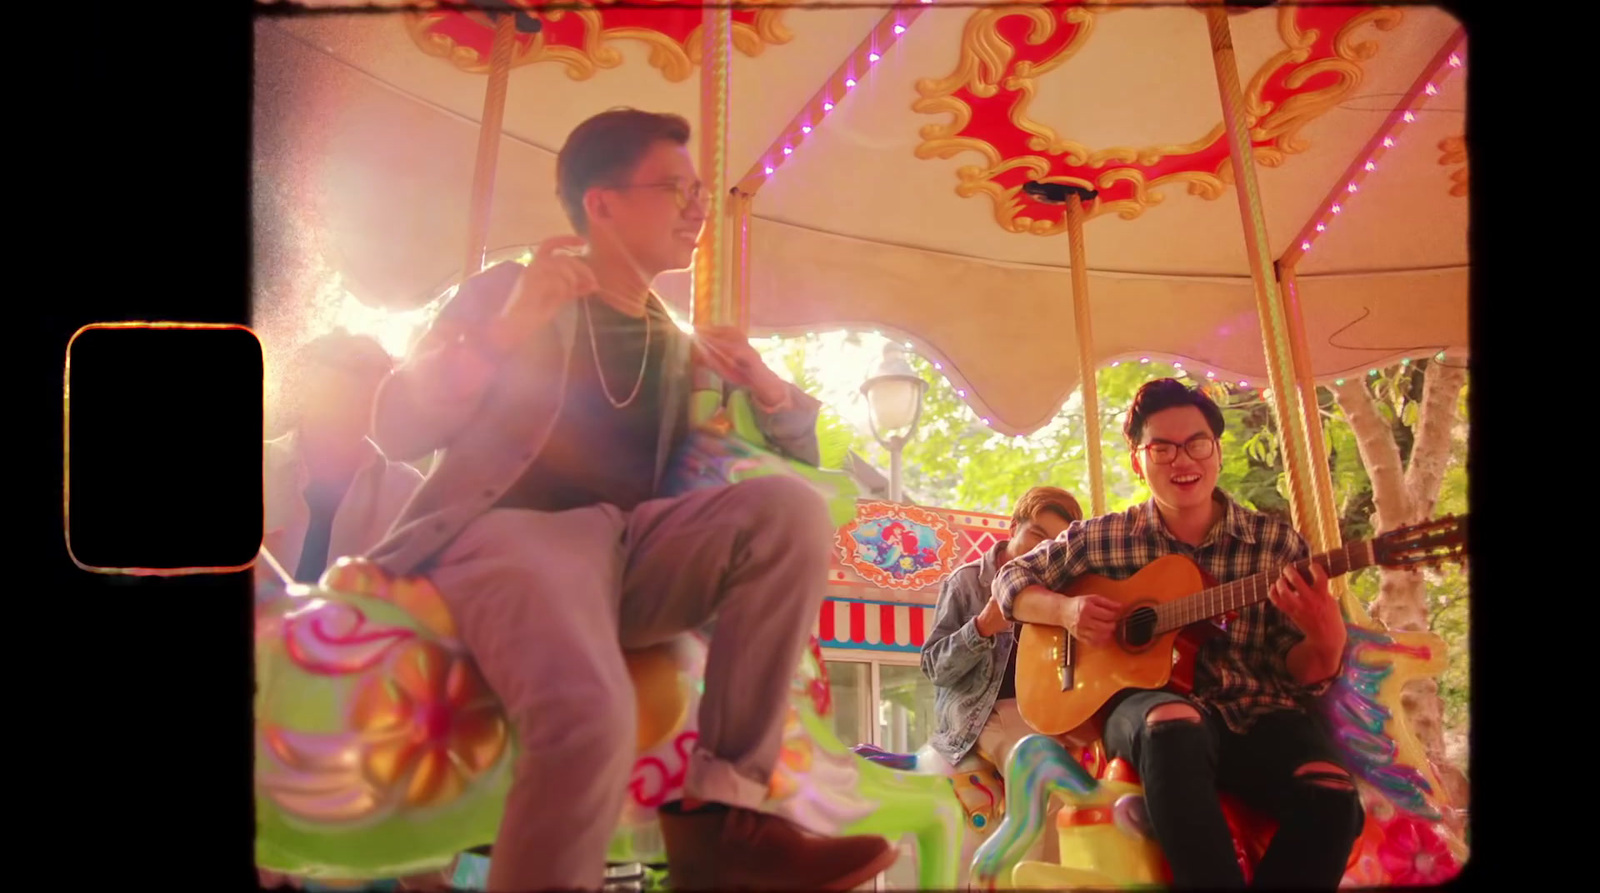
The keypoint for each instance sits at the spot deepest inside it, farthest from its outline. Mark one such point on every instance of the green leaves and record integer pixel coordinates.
(1263, 447)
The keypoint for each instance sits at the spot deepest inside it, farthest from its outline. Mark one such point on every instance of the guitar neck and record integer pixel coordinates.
(1219, 600)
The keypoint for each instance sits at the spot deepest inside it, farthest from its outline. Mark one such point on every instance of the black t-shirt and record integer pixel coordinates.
(598, 453)
(1008, 685)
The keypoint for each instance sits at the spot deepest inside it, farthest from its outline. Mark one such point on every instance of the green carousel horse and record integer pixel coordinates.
(381, 752)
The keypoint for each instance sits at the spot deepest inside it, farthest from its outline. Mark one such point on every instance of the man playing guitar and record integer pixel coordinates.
(1244, 729)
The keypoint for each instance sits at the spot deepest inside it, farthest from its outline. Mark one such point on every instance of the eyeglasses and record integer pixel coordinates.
(684, 194)
(1165, 452)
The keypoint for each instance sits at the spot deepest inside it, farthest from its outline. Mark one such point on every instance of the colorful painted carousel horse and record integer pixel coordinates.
(381, 752)
(977, 784)
(1103, 828)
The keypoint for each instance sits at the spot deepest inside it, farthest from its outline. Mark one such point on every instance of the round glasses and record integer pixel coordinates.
(684, 194)
(1165, 452)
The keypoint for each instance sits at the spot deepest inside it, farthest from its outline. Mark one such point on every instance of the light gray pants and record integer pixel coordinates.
(547, 602)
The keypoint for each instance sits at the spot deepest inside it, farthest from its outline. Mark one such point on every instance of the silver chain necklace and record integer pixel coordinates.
(594, 346)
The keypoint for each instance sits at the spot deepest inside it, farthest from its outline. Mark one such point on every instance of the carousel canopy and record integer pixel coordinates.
(898, 143)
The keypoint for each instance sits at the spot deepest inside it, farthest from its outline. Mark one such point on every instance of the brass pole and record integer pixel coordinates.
(1086, 367)
(1303, 500)
(494, 108)
(1326, 535)
(713, 299)
(741, 258)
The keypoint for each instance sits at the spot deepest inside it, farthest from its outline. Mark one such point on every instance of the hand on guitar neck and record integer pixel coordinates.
(1089, 618)
(1312, 608)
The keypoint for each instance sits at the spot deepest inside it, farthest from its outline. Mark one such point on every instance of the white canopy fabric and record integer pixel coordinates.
(366, 136)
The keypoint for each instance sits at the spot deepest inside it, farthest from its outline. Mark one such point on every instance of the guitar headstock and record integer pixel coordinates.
(1429, 543)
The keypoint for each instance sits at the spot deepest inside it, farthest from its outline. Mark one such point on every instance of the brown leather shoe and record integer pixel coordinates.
(727, 848)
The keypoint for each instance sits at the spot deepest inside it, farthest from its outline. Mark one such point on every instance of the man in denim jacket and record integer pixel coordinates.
(970, 655)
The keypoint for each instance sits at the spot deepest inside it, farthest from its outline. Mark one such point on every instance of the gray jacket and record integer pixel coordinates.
(491, 421)
(966, 669)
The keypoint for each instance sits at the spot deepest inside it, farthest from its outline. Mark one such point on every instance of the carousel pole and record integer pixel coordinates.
(714, 303)
(741, 257)
(494, 108)
(1085, 333)
(1311, 408)
(1303, 497)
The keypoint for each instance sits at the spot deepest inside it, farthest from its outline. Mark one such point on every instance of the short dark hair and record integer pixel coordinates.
(1046, 499)
(1167, 393)
(605, 149)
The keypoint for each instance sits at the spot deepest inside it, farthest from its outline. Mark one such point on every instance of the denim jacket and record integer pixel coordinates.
(965, 667)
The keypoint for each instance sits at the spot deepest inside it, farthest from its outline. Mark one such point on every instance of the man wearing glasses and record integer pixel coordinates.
(1246, 728)
(558, 393)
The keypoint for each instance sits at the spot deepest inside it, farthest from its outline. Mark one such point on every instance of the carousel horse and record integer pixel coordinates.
(381, 752)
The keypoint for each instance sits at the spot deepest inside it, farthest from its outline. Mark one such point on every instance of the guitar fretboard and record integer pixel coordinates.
(1219, 600)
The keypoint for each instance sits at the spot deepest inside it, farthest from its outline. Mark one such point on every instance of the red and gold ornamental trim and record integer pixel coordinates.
(583, 40)
(1005, 50)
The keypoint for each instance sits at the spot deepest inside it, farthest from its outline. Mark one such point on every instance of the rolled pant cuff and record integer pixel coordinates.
(715, 780)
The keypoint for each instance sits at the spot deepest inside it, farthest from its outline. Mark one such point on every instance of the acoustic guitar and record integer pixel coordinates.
(1166, 614)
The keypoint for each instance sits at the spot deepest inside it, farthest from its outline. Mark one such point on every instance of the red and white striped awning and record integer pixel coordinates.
(872, 625)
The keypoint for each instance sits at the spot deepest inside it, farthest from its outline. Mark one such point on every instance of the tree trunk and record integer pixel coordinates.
(1379, 454)
(1405, 493)
(1430, 450)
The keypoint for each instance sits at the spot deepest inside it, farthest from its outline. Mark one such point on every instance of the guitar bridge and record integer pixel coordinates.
(1067, 654)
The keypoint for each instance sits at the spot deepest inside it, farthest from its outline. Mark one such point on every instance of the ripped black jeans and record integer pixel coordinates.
(1184, 763)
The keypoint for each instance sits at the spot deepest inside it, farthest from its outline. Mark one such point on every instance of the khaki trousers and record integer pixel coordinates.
(547, 603)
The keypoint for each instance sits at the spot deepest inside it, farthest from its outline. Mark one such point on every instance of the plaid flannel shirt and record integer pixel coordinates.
(1241, 675)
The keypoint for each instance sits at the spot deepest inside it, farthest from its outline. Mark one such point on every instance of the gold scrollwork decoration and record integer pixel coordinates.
(676, 61)
(1281, 127)
(987, 64)
(1455, 152)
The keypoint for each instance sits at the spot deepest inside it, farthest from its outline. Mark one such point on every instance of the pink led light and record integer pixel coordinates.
(873, 57)
(787, 150)
(827, 106)
(1322, 227)
(1372, 165)
(769, 170)
(986, 421)
(1336, 209)
(1116, 364)
(1431, 90)
(805, 128)
(1144, 359)
(1177, 365)
(849, 82)
(1408, 117)
(938, 365)
(1306, 245)
(1455, 61)
(1211, 374)
(1388, 142)
(1244, 384)
(961, 393)
(1351, 187)
(899, 29)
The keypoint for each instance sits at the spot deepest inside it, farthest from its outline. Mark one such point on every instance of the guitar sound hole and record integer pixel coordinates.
(1139, 627)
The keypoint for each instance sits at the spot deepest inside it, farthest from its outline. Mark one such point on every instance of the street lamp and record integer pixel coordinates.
(894, 404)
